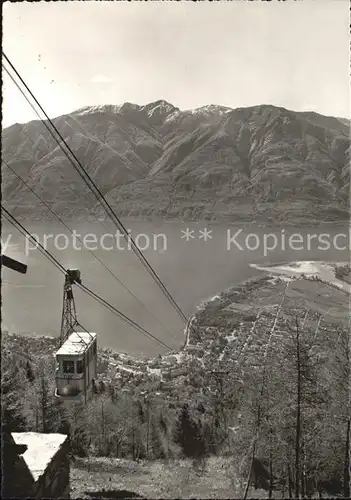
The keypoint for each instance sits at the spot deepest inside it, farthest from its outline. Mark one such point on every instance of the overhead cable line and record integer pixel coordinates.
(12, 220)
(67, 186)
(122, 315)
(61, 268)
(22, 230)
(94, 188)
(80, 240)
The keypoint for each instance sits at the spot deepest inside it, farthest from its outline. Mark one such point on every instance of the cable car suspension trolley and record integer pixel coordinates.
(69, 320)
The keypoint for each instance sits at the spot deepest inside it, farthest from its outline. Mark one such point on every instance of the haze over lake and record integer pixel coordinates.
(192, 271)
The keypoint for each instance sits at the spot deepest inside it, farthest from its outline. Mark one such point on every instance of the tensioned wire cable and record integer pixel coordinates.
(68, 186)
(61, 268)
(93, 187)
(80, 240)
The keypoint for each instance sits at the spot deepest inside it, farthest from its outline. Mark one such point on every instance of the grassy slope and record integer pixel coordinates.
(158, 479)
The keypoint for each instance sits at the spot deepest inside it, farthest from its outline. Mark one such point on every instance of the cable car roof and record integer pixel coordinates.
(77, 343)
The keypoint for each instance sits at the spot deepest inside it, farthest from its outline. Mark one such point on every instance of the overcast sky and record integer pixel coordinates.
(293, 54)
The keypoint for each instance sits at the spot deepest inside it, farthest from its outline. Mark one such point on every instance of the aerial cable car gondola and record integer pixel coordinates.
(76, 359)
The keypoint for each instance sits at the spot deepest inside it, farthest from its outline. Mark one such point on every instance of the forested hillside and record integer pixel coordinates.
(267, 385)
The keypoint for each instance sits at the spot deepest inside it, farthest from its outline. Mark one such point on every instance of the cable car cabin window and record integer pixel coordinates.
(68, 366)
(80, 366)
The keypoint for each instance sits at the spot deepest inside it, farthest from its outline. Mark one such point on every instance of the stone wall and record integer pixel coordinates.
(47, 463)
(54, 483)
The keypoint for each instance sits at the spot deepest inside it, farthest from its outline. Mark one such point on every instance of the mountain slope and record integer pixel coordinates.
(210, 163)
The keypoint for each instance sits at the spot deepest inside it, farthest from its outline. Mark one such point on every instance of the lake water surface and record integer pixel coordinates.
(192, 270)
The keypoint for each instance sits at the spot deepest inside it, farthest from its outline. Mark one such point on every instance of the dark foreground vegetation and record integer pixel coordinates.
(274, 402)
(343, 273)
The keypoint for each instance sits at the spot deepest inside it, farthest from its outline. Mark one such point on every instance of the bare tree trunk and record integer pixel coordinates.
(133, 430)
(44, 403)
(250, 474)
(283, 490)
(347, 479)
(270, 478)
(102, 427)
(298, 414)
(290, 485)
(148, 428)
(36, 418)
(253, 455)
(133, 440)
(303, 470)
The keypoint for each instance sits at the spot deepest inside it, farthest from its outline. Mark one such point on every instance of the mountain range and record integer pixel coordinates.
(260, 163)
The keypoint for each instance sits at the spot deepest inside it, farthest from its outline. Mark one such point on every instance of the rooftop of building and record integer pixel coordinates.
(77, 343)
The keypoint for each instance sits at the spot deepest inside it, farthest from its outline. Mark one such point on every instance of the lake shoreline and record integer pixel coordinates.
(270, 271)
(193, 269)
(213, 222)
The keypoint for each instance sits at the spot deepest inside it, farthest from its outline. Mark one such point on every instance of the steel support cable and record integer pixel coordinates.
(96, 191)
(264, 378)
(22, 230)
(122, 315)
(92, 253)
(12, 220)
(59, 266)
(52, 135)
(68, 186)
(69, 151)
